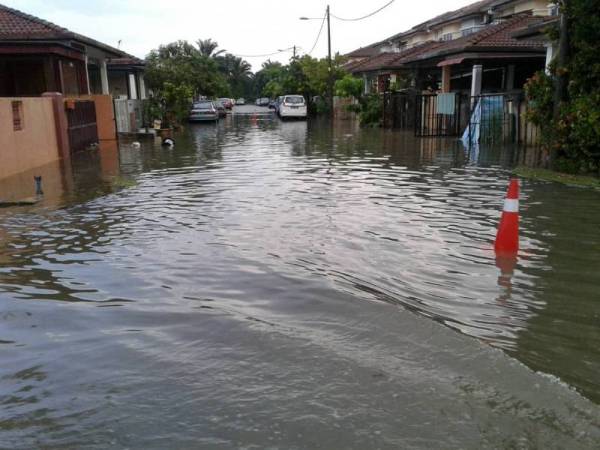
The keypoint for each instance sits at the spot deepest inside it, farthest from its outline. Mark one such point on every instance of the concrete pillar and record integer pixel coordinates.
(446, 74)
(60, 122)
(510, 77)
(104, 77)
(87, 75)
(132, 87)
(142, 86)
(476, 80)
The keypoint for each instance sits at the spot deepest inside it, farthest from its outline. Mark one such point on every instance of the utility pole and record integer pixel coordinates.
(294, 57)
(330, 77)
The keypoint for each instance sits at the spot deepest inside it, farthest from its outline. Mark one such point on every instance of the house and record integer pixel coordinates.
(56, 92)
(126, 78)
(443, 53)
(38, 56)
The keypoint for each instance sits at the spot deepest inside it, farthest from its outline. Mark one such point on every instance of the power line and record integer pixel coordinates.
(355, 19)
(266, 54)
(318, 36)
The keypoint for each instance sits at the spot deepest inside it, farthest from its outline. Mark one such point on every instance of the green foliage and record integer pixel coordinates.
(557, 176)
(305, 75)
(152, 109)
(237, 74)
(208, 47)
(369, 106)
(371, 111)
(573, 137)
(176, 73)
(349, 86)
(177, 100)
(539, 91)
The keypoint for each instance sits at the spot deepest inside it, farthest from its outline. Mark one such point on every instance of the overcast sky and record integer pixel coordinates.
(242, 27)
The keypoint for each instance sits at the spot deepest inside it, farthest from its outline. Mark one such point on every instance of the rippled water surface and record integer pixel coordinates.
(297, 285)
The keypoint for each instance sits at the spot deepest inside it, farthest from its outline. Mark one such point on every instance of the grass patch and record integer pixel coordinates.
(557, 177)
(123, 183)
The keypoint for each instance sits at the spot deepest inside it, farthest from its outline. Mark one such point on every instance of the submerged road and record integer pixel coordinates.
(297, 285)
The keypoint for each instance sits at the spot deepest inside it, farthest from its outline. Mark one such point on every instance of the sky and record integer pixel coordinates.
(242, 27)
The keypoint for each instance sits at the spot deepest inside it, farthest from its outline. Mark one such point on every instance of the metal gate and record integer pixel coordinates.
(128, 114)
(494, 119)
(398, 110)
(438, 115)
(81, 124)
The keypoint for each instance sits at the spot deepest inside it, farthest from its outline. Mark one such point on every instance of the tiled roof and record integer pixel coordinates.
(128, 60)
(376, 62)
(493, 37)
(498, 36)
(17, 25)
(393, 60)
(364, 52)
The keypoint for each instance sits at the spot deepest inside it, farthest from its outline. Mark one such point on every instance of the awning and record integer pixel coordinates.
(450, 62)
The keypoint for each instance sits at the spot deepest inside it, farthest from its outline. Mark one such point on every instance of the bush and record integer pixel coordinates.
(573, 136)
(371, 111)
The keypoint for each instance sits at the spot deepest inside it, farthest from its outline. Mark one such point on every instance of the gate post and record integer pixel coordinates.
(476, 82)
(60, 123)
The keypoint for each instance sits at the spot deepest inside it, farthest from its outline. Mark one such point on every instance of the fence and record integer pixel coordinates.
(128, 115)
(81, 124)
(432, 115)
(399, 110)
(438, 115)
(488, 119)
(500, 119)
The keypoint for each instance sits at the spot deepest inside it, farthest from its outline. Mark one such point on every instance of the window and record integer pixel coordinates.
(17, 115)
(446, 37)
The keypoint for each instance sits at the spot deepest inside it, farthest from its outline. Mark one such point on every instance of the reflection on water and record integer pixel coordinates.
(267, 284)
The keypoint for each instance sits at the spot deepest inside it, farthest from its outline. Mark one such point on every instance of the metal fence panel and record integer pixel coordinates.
(434, 119)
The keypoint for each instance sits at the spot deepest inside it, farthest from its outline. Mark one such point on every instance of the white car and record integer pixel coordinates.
(240, 101)
(292, 106)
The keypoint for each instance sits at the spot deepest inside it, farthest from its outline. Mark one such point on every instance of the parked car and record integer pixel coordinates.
(227, 103)
(240, 101)
(273, 104)
(263, 101)
(220, 108)
(292, 106)
(203, 111)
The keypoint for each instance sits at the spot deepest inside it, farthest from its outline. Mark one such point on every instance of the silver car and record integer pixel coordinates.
(204, 111)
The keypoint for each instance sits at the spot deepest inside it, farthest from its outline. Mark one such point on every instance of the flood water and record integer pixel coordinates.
(268, 285)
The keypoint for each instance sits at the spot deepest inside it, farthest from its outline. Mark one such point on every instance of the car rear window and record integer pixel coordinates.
(294, 99)
(203, 105)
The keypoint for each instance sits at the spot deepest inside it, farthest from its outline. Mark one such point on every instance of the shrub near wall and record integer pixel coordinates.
(573, 138)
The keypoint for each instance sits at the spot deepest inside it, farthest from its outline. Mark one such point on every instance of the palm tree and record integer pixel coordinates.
(207, 47)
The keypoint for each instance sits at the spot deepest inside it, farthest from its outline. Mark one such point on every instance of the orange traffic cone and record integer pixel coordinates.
(507, 239)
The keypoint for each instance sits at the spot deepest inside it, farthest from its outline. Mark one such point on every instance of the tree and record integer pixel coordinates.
(207, 48)
(178, 72)
(238, 74)
(304, 75)
(570, 122)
